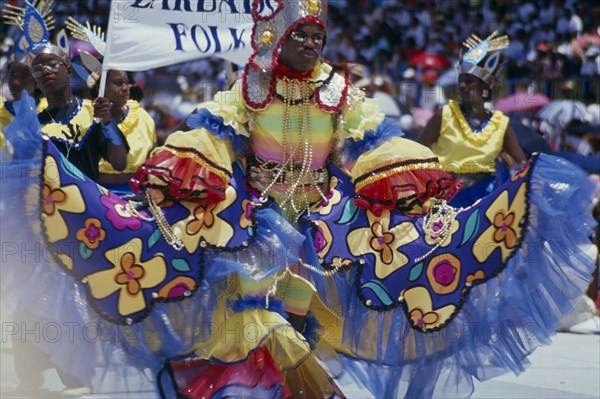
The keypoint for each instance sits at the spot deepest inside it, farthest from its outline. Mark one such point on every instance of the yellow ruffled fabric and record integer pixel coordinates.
(358, 120)
(241, 333)
(236, 334)
(229, 106)
(460, 150)
(390, 152)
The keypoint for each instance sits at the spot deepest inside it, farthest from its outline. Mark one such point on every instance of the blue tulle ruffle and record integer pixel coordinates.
(276, 246)
(386, 130)
(503, 320)
(23, 132)
(215, 124)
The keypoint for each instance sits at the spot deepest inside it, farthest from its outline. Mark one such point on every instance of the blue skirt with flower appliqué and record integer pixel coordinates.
(416, 307)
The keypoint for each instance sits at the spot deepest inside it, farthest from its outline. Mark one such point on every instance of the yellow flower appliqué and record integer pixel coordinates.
(420, 308)
(246, 216)
(505, 231)
(333, 197)
(203, 218)
(130, 276)
(57, 199)
(521, 172)
(204, 223)
(423, 320)
(383, 242)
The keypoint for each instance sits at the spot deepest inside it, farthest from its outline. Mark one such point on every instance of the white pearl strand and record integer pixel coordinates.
(291, 88)
(443, 213)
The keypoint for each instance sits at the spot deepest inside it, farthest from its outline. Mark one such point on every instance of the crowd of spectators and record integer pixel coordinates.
(549, 39)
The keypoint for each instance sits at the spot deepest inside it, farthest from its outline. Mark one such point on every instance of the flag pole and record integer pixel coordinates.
(102, 87)
(114, 15)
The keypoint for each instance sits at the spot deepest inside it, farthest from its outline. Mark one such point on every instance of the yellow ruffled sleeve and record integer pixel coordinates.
(390, 172)
(197, 164)
(360, 117)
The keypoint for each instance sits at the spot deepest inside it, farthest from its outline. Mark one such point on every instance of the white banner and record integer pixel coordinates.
(145, 34)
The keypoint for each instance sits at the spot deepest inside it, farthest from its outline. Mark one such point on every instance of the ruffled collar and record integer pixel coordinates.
(329, 87)
(484, 134)
(283, 72)
(130, 119)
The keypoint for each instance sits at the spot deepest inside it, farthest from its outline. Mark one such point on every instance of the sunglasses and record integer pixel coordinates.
(53, 65)
(302, 37)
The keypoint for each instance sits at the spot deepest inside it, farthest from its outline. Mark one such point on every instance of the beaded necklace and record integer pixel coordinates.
(296, 93)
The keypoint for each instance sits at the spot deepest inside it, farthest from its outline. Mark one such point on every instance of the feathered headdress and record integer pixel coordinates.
(91, 70)
(271, 26)
(482, 59)
(36, 22)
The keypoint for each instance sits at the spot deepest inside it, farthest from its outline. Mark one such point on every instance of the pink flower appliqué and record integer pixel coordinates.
(118, 216)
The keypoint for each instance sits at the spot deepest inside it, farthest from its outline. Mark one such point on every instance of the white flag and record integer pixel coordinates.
(145, 34)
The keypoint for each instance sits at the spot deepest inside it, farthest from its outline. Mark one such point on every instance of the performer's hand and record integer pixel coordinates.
(508, 161)
(102, 110)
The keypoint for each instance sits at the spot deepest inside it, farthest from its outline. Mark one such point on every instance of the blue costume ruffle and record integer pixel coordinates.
(503, 320)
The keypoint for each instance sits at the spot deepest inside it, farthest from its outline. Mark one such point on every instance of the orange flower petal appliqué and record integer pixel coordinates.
(127, 261)
(203, 217)
(510, 238)
(504, 231)
(387, 255)
(50, 197)
(134, 287)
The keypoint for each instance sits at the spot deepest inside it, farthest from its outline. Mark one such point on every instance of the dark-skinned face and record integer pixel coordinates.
(302, 48)
(117, 88)
(50, 72)
(470, 89)
(20, 78)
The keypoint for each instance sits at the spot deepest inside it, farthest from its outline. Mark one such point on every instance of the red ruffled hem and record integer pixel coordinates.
(258, 375)
(180, 177)
(407, 191)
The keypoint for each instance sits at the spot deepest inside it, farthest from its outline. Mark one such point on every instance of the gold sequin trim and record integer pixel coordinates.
(398, 169)
(185, 154)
